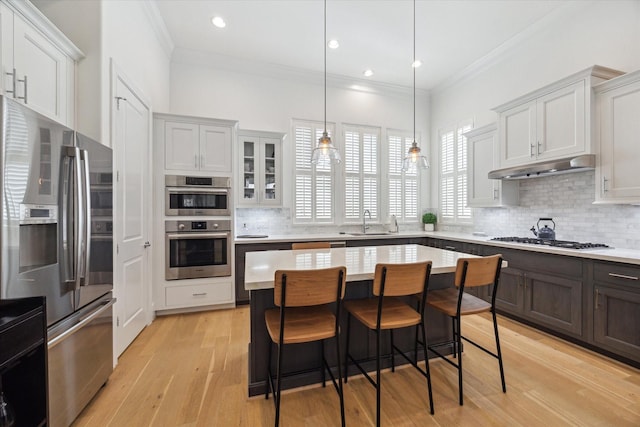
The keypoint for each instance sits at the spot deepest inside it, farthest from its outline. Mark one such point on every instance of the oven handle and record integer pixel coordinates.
(197, 190)
(197, 235)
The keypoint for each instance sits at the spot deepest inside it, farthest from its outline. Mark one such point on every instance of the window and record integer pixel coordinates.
(313, 185)
(403, 186)
(453, 174)
(361, 172)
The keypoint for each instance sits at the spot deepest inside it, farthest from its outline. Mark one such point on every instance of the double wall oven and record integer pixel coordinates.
(199, 245)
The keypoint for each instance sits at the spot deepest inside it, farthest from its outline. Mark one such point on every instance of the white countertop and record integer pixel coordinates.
(332, 236)
(260, 267)
(628, 256)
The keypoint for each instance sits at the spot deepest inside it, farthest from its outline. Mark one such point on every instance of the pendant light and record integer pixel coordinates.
(414, 160)
(325, 149)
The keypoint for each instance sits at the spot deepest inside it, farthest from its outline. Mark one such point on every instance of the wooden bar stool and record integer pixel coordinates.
(386, 312)
(311, 245)
(303, 298)
(455, 303)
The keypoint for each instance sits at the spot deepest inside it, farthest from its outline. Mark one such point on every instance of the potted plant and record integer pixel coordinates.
(429, 220)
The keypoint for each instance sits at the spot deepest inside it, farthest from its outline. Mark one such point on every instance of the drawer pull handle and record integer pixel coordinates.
(622, 276)
(597, 299)
(450, 248)
(199, 294)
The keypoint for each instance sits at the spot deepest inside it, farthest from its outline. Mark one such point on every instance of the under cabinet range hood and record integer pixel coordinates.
(550, 167)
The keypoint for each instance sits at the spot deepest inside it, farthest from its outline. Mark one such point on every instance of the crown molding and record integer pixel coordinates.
(31, 13)
(505, 49)
(159, 26)
(282, 72)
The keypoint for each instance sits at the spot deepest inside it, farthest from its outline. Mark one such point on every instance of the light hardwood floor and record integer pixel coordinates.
(191, 370)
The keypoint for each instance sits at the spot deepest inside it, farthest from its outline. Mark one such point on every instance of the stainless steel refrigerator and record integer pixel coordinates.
(57, 242)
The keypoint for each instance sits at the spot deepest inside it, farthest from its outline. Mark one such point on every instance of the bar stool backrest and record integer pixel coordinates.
(301, 288)
(401, 279)
(311, 245)
(479, 271)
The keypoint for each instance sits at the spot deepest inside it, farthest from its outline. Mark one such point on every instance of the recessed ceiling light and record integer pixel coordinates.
(333, 44)
(218, 22)
(417, 63)
(368, 72)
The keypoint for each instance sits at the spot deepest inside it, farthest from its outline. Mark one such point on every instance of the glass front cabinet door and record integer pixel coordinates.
(260, 163)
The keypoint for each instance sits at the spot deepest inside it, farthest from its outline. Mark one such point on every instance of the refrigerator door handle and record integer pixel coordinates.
(86, 212)
(66, 334)
(72, 221)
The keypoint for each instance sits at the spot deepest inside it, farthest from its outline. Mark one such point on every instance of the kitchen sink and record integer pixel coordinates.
(372, 233)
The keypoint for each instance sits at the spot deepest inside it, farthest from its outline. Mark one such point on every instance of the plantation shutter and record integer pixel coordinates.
(361, 172)
(402, 186)
(453, 174)
(313, 191)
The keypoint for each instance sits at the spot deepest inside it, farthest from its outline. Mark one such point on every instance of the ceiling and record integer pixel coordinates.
(451, 35)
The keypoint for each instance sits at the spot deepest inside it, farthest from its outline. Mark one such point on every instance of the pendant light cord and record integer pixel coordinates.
(414, 71)
(325, 65)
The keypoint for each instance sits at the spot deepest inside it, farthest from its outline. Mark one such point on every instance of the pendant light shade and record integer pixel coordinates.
(325, 151)
(414, 159)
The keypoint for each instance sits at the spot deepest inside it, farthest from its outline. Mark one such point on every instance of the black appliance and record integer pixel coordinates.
(554, 243)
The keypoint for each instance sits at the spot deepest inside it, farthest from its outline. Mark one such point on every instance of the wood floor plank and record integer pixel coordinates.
(191, 370)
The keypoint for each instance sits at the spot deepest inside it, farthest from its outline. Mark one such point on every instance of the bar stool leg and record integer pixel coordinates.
(426, 363)
(279, 384)
(459, 345)
(322, 367)
(453, 333)
(341, 391)
(495, 328)
(346, 353)
(378, 377)
(393, 359)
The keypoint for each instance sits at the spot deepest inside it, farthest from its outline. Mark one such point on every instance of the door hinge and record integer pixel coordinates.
(118, 99)
(117, 176)
(117, 249)
(117, 321)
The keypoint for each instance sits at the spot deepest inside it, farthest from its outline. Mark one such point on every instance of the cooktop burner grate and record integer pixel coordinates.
(548, 242)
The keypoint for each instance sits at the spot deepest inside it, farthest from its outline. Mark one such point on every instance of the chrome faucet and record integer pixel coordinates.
(364, 220)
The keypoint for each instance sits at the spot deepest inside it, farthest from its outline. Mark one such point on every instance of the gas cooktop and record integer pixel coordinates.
(548, 242)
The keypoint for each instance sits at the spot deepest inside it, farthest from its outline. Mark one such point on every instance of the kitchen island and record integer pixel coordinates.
(360, 263)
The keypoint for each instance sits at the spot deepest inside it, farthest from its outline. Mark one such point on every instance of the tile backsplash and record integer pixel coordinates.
(568, 199)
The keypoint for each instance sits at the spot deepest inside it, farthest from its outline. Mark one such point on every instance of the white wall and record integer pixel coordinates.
(260, 102)
(606, 33)
(131, 42)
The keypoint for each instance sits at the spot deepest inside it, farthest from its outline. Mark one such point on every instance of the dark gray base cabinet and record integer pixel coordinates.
(616, 309)
(592, 303)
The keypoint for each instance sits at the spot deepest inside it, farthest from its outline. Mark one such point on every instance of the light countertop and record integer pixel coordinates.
(628, 256)
(361, 261)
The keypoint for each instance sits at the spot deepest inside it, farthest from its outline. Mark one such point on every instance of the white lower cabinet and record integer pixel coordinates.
(186, 295)
(483, 157)
(617, 134)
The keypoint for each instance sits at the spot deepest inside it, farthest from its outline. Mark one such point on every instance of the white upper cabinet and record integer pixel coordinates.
(260, 157)
(618, 137)
(550, 123)
(193, 144)
(483, 154)
(38, 62)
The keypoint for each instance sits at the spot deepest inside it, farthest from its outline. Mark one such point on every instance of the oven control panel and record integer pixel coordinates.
(197, 226)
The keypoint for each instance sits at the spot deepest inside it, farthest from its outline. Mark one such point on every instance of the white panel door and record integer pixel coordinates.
(619, 115)
(132, 216)
(518, 130)
(41, 72)
(215, 148)
(6, 44)
(181, 150)
(561, 122)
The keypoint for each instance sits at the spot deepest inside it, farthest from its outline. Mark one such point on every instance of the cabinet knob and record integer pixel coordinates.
(180, 226)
